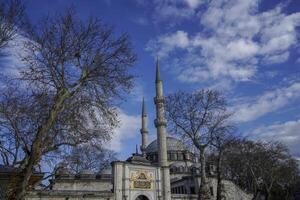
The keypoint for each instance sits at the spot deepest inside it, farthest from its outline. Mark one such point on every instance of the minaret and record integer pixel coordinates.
(160, 124)
(144, 129)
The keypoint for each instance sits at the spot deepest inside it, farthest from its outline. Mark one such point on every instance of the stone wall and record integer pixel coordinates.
(181, 189)
(67, 195)
(84, 185)
(184, 197)
(233, 192)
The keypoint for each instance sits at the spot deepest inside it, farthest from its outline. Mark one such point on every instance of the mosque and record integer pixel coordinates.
(164, 170)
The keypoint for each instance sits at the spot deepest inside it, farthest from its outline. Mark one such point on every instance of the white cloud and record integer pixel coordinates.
(222, 85)
(141, 21)
(287, 133)
(233, 41)
(277, 58)
(268, 102)
(129, 127)
(168, 43)
(193, 3)
(175, 9)
(11, 60)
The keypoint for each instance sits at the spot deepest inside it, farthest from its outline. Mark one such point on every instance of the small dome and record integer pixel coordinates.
(106, 171)
(136, 158)
(63, 171)
(173, 144)
(86, 172)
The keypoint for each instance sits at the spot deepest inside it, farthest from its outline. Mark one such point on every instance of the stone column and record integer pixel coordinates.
(118, 180)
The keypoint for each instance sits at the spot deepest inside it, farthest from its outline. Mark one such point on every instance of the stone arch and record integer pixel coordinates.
(142, 196)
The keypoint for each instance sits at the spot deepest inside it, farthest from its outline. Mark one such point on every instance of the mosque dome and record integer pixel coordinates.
(173, 144)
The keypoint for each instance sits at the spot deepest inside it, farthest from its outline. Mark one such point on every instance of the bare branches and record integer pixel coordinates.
(260, 167)
(69, 51)
(75, 72)
(11, 18)
(89, 157)
(200, 118)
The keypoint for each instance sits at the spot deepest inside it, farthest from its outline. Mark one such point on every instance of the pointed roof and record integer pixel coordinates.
(144, 111)
(157, 79)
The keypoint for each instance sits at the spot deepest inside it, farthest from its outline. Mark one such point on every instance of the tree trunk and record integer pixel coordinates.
(204, 192)
(27, 172)
(255, 194)
(269, 195)
(219, 176)
(36, 148)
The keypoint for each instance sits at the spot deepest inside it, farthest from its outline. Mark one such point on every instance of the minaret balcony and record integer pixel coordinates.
(160, 122)
(144, 131)
(158, 100)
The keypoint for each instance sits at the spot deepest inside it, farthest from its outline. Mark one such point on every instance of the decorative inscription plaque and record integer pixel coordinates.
(141, 180)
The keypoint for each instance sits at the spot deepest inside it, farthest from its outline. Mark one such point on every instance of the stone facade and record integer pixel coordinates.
(134, 180)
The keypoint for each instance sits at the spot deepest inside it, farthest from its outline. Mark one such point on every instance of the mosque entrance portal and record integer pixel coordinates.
(141, 197)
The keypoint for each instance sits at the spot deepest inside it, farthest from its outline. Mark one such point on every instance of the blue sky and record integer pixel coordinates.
(248, 49)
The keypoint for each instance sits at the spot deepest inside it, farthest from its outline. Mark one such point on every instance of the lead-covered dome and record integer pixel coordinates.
(173, 144)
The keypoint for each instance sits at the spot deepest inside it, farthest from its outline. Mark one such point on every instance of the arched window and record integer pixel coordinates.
(169, 156)
(211, 191)
(180, 156)
(173, 156)
(171, 170)
(154, 157)
(181, 169)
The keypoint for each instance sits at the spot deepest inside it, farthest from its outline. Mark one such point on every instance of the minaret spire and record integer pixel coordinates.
(144, 129)
(144, 111)
(157, 77)
(160, 124)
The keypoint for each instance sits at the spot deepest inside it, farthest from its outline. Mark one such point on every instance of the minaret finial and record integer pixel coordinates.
(157, 78)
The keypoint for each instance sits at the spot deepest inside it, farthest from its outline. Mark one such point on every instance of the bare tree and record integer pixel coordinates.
(11, 19)
(263, 168)
(276, 167)
(75, 71)
(196, 117)
(91, 157)
(222, 140)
